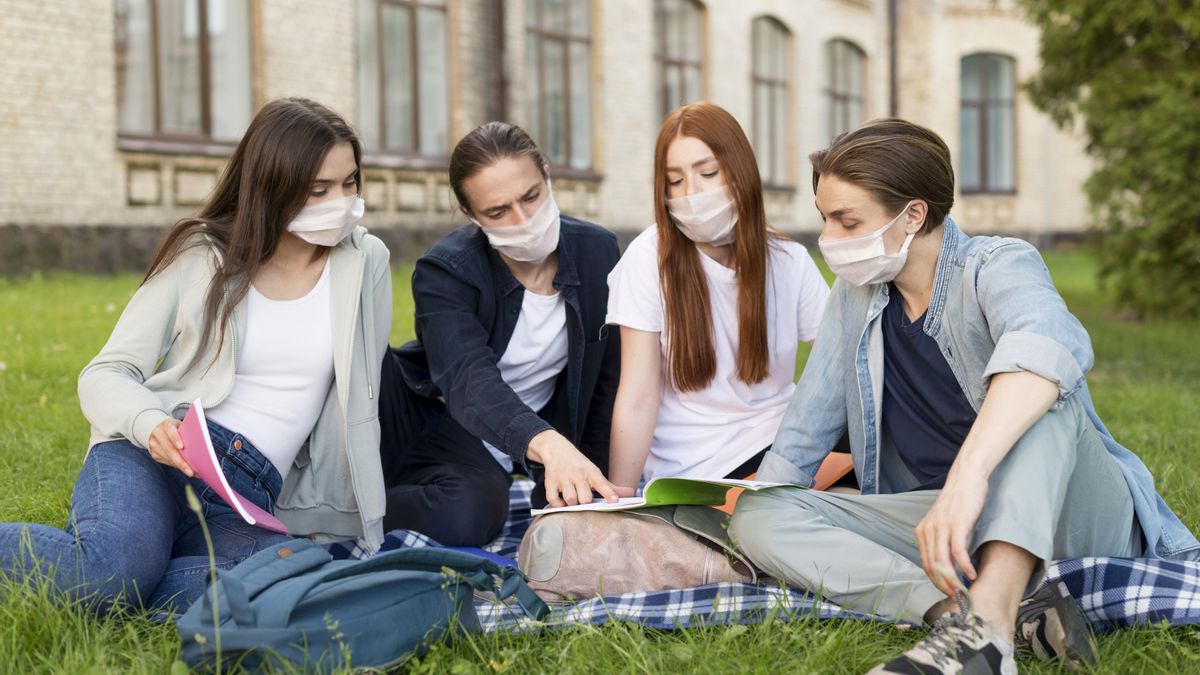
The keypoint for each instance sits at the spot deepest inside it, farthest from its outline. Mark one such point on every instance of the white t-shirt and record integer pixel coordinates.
(708, 433)
(535, 355)
(283, 372)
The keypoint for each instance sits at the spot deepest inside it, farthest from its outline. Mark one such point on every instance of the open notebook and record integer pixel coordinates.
(670, 490)
(199, 453)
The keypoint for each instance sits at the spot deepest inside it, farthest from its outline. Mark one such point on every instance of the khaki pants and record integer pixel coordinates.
(1057, 494)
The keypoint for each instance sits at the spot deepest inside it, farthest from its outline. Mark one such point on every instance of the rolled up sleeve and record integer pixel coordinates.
(1030, 324)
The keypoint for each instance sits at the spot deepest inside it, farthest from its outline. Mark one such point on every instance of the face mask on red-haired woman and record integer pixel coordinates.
(705, 217)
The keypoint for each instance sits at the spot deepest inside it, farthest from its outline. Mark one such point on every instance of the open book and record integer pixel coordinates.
(199, 453)
(670, 490)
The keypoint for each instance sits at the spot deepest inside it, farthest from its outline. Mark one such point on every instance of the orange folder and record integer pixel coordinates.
(836, 465)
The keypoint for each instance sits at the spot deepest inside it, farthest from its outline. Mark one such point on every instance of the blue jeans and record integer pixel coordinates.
(130, 536)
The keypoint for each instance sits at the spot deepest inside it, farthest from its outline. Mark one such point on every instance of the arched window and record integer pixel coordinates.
(681, 49)
(987, 124)
(846, 85)
(403, 78)
(558, 76)
(771, 82)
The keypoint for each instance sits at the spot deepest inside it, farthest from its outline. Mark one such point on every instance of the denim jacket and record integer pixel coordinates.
(467, 305)
(993, 310)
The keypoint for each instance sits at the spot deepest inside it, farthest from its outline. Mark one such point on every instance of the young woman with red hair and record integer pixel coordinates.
(711, 305)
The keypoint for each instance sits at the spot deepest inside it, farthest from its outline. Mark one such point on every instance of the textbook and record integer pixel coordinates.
(670, 491)
(200, 455)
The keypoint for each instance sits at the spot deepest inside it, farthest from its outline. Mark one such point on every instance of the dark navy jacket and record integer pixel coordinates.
(467, 304)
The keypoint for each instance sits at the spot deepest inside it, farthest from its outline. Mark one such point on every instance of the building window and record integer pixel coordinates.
(987, 120)
(771, 84)
(680, 53)
(847, 82)
(183, 69)
(558, 62)
(403, 79)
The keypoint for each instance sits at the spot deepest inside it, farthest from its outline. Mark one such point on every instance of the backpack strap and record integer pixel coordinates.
(259, 572)
(481, 574)
(280, 562)
(478, 572)
(237, 604)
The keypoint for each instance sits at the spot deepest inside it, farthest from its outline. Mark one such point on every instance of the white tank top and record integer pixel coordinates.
(283, 372)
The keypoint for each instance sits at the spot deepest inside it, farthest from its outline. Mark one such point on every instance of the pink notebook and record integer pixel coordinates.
(199, 453)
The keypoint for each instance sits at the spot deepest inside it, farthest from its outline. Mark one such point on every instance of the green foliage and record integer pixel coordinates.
(1130, 73)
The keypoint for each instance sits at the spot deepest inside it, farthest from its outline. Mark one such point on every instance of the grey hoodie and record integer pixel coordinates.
(142, 376)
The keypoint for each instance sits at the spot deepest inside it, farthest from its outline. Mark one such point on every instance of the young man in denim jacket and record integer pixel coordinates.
(958, 372)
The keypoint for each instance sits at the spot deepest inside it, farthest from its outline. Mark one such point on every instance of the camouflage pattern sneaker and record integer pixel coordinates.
(1051, 624)
(959, 644)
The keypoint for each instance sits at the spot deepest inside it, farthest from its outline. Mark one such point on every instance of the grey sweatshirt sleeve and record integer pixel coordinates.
(111, 390)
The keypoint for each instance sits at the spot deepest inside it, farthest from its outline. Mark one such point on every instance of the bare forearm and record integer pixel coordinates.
(632, 434)
(1014, 402)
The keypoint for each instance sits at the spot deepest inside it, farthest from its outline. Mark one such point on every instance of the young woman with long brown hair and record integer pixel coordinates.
(712, 305)
(272, 307)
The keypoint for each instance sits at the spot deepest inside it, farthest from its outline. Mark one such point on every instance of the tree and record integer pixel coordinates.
(1129, 72)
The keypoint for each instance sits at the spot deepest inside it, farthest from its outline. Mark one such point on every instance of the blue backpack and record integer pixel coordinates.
(293, 604)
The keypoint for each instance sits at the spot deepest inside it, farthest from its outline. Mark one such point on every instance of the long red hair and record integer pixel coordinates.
(691, 358)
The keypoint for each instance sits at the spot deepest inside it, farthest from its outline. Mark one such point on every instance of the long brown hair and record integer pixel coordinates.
(691, 358)
(263, 187)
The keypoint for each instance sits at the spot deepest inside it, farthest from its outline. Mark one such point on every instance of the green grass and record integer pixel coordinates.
(1143, 384)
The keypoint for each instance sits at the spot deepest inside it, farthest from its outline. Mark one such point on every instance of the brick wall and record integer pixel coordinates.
(60, 164)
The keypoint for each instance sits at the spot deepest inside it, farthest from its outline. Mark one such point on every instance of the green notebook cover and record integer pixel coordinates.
(669, 491)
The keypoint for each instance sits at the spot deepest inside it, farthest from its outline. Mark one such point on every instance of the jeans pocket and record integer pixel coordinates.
(231, 542)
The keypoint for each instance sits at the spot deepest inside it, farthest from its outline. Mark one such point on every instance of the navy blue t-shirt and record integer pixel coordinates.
(924, 409)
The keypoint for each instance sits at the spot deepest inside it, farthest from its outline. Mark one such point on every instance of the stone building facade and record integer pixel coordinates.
(591, 79)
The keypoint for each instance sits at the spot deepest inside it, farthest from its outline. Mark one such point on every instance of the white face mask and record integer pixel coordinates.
(329, 222)
(864, 260)
(706, 217)
(533, 241)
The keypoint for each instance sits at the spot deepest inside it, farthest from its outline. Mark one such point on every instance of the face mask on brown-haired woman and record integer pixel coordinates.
(329, 222)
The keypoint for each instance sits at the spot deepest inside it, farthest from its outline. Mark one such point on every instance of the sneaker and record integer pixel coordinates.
(959, 644)
(1051, 624)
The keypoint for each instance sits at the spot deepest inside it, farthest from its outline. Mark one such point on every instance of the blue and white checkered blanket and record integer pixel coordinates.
(1113, 592)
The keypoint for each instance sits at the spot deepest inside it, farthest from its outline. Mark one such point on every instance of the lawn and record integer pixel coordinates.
(1144, 385)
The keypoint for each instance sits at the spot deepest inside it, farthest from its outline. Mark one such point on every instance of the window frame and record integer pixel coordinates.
(837, 99)
(983, 104)
(537, 30)
(776, 87)
(668, 62)
(412, 156)
(173, 142)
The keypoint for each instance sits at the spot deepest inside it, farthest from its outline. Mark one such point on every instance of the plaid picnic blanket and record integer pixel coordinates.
(1113, 592)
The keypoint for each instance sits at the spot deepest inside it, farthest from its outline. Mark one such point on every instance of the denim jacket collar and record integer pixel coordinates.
(949, 257)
